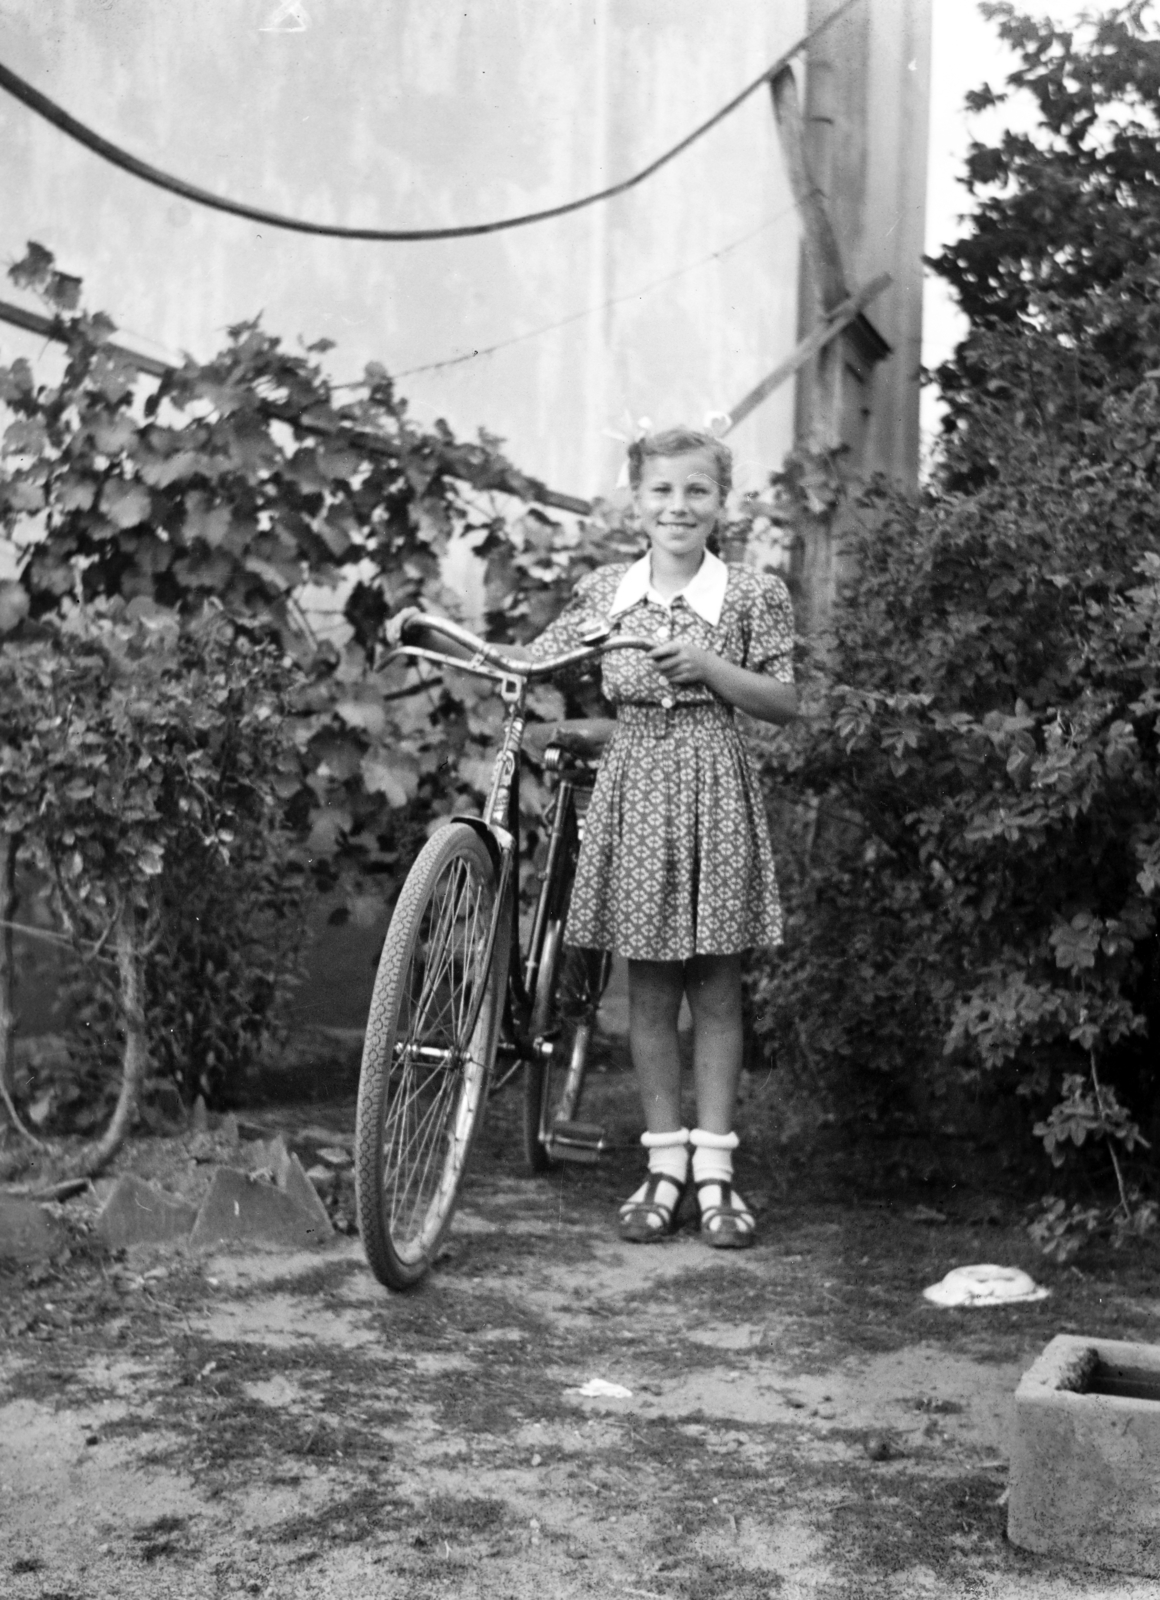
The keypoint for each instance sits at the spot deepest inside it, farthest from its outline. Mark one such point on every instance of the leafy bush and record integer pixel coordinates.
(229, 957)
(977, 858)
(244, 484)
(223, 954)
(238, 488)
(980, 753)
(133, 754)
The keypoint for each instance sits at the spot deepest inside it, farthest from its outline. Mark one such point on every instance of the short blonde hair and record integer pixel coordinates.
(679, 442)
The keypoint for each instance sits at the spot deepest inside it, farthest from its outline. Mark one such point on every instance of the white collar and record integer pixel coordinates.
(704, 593)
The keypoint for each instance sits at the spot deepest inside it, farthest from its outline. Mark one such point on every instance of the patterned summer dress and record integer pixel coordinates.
(676, 859)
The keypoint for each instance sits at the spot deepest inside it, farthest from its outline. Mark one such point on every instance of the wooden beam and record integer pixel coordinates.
(820, 239)
(829, 328)
(51, 328)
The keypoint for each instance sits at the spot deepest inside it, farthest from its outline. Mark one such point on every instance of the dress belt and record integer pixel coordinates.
(655, 718)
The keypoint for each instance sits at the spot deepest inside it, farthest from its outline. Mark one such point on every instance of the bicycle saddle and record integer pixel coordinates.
(582, 736)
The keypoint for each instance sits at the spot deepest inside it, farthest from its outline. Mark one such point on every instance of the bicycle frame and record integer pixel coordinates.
(499, 824)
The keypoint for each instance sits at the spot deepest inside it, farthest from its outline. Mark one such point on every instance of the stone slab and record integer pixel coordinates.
(243, 1209)
(293, 1180)
(137, 1212)
(27, 1232)
(289, 1176)
(1085, 1466)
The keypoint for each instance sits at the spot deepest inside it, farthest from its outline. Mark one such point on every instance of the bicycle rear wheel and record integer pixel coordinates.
(569, 989)
(423, 1083)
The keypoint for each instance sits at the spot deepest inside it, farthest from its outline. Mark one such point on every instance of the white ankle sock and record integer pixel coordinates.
(712, 1156)
(712, 1170)
(668, 1153)
(668, 1157)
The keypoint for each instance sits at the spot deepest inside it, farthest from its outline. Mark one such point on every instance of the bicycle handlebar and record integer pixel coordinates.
(531, 671)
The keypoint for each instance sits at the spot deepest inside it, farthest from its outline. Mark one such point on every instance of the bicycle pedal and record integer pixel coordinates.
(576, 1141)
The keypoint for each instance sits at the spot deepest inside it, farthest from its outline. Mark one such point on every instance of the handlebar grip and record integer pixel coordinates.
(413, 618)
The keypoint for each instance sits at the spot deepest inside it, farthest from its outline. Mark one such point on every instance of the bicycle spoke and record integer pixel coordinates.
(438, 948)
(421, 1139)
(442, 953)
(475, 943)
(412, 1109)
(460, 957)
(433, 1150)
(418, 1123)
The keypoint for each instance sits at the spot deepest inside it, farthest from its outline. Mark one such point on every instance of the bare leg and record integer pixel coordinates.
(654, 1001)
(713, 985)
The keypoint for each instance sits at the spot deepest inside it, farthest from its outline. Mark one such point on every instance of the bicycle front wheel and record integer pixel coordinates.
(425, 1062)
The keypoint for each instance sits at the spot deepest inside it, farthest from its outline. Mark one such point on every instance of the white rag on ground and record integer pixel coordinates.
(985, 1286)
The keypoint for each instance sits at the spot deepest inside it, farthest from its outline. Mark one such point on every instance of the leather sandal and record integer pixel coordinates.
(634, 1221)
(729, 1225)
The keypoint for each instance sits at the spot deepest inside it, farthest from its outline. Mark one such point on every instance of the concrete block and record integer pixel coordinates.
(267, 1155)
(276, 1157)
(243, 1209)
(1085, 1455)
(137, 1212)
(293, 1180)
(27, 1232)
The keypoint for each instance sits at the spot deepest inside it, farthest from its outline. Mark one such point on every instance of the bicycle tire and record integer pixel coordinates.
(421, 1096)
(568, 993)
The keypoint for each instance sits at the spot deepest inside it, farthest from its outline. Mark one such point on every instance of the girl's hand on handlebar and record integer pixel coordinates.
(681, 662)
(398, 624)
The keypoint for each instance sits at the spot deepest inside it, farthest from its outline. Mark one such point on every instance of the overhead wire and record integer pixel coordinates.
(594, 310)
(530, 333)
(108, 151)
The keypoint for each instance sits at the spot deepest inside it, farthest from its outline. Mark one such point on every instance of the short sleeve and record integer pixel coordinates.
(770, 645)
(566, 631)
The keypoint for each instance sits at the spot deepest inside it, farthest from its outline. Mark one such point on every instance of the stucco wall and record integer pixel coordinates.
(419, 112)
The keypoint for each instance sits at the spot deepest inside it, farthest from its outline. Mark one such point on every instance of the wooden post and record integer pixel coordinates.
(834, 377)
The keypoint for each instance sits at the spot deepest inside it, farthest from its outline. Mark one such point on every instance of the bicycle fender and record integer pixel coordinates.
(497, 840)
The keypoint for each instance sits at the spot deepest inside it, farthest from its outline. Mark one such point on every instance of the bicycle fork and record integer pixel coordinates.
(494, 827)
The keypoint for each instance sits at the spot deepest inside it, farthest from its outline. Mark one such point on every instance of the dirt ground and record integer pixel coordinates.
(801, 1421)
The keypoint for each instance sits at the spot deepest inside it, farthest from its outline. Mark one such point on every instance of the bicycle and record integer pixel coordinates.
(450, 981)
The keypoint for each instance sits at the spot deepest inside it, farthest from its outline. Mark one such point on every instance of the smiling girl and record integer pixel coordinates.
(676, 870)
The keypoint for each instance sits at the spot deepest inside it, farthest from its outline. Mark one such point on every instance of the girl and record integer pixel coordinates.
(676, 870)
